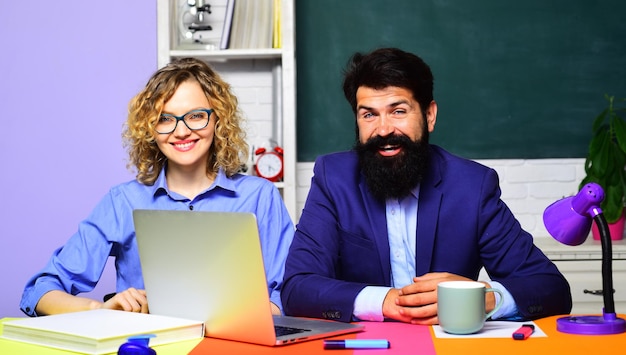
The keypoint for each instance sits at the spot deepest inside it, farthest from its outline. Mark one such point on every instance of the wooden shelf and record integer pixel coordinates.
(228, 54)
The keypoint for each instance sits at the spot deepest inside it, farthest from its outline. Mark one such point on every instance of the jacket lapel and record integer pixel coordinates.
(427, 216)
(376, 216)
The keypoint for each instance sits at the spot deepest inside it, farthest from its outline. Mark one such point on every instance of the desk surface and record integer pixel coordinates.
(422, 341)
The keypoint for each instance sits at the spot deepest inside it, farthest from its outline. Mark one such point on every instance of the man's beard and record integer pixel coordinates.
(393, 176)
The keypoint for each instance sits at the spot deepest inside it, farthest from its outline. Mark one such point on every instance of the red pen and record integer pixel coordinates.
(524, 332)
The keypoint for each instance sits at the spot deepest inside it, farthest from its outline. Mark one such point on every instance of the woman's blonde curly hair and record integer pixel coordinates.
(229, 150)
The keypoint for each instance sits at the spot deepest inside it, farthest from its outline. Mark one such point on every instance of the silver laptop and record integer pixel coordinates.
(208, 266)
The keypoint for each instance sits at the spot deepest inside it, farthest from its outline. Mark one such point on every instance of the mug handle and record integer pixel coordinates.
(498, 304)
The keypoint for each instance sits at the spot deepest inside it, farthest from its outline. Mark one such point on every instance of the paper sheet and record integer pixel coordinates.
(492, 329)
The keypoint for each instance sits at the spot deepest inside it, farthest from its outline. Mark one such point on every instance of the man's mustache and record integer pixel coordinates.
(378, 142)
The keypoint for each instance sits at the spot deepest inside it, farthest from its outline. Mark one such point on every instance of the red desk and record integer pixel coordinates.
(404, 338)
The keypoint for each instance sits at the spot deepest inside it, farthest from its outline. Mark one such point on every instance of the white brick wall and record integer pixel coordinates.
(528, 186)
(251, 81)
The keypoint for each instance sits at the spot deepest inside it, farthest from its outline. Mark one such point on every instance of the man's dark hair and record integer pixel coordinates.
(386, 67)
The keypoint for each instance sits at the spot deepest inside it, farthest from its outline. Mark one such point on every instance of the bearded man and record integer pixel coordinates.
(384, 223)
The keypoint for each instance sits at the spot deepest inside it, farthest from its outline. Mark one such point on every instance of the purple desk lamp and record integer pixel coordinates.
(569, 221)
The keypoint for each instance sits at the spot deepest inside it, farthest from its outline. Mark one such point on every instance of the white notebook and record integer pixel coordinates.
(100, 331)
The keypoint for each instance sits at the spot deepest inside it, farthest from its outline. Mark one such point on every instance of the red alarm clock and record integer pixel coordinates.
(269, 164)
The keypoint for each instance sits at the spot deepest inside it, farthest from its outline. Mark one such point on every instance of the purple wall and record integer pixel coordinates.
(67, 72)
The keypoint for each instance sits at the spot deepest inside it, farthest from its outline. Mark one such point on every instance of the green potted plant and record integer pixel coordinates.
(606, 162)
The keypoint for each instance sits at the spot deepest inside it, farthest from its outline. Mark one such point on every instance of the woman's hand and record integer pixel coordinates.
(130, 300)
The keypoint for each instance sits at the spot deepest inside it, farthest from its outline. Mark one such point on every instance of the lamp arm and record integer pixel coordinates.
(607, 257)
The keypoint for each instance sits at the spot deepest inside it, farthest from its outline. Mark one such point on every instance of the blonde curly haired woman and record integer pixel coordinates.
(186, 144)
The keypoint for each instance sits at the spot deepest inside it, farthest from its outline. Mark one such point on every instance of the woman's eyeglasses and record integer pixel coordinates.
(194, 120)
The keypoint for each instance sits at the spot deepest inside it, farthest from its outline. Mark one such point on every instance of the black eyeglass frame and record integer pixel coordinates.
(182, 118)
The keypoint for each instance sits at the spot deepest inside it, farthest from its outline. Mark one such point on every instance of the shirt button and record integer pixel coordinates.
(191, 207)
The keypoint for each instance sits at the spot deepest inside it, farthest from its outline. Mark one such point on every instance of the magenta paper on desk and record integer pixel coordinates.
(404, 338)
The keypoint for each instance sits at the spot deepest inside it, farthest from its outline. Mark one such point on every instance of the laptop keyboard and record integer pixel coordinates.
(280, 330)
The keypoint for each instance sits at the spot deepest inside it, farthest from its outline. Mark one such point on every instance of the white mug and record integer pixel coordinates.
(461, 306)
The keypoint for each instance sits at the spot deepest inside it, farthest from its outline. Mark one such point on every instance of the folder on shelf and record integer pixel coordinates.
(253, 24)
(276, 29)
(228, 21)
(236, 32)
(265, 9)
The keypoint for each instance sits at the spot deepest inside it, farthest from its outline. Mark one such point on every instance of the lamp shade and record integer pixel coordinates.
(569, 220)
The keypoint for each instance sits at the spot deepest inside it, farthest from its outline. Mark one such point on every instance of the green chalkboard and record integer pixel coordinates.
(513, 79)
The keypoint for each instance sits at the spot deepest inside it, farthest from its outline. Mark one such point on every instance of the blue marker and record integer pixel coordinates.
(356, 344)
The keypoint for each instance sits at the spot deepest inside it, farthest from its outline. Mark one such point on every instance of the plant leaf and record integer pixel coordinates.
(599, 154)
(619, 130)
(613, 204)
(599, 120)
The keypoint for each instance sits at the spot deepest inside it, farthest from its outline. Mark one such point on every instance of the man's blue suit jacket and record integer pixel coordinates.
(341, 243)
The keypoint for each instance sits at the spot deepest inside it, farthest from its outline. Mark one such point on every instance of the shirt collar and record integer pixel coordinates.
(415, 193)
(221, 181)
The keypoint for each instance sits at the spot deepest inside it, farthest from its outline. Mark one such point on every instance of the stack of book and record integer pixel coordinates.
(255, 24)
(100, 331)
